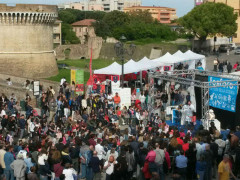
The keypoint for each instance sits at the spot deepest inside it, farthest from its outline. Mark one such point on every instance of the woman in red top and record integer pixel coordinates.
(185, 146)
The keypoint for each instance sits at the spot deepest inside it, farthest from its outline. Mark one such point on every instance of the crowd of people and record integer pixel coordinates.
(92, 137)
(225, 66)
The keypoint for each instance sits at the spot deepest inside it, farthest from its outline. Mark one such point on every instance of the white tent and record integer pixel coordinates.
(131, 67)
(185, 59)
(113, 69)
(144, 64)
(179, 54)
(197, 57)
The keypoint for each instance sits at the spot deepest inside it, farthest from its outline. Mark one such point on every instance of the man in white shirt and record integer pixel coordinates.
(110, 100)
(189, 112)
(100, 151)
(109, 167)
(32, 127)
(62, 80)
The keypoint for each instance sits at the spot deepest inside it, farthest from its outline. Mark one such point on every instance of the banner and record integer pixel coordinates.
(125, 95)
(223, 97)
(115, 84)
(79, 81)
(73, 75)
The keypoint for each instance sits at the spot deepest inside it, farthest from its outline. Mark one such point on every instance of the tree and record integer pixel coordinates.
(68, 35)
(67, 16)
(210, 19)
(140, 16)
(116, 19)
(101, 29)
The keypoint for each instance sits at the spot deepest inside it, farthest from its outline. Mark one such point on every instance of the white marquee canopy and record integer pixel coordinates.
(132, 66)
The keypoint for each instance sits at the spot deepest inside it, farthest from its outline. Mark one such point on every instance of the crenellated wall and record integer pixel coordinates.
(27, 18)
(26, 40)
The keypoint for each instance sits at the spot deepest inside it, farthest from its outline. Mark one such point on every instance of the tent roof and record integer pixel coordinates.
(191, 55)
(179, 54)
(167, 59)
(130, 67)
(113, 69)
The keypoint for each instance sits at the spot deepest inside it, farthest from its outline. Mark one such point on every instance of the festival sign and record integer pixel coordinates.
(73, 76)
(115, 84)
(223, 97)
(78, 77)
(79, 81)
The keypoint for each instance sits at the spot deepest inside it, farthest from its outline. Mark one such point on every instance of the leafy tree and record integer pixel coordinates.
(116, 19)
(68, 35)
(67, 16)
(210, 19)
(101, 29)
(140, 16)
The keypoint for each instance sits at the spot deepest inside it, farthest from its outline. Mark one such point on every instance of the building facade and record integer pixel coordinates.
(236, 5)
(26, 45)
(100, 5)
(198, 2)
(163, 14)
(84, 30)
(57, 33)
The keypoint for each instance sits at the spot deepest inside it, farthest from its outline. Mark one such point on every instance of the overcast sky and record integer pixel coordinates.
(182, 6)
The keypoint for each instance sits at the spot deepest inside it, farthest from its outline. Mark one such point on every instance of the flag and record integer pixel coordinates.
(90, 80)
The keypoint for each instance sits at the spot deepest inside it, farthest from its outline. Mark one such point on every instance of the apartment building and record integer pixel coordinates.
(100, 5)
(198, 2)
(57, 33)
(163, 14)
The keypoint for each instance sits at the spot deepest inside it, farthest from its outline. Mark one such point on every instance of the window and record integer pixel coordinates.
(235, 35)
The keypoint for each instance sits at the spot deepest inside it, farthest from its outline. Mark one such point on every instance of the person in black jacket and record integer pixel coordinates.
(44, 171)
(74, 153)
(11, 125)
(66, 157)
(22, 124)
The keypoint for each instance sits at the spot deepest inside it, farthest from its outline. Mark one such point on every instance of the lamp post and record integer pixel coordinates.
(121, 51)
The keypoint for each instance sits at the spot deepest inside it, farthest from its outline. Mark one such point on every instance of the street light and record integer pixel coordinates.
(121, 51)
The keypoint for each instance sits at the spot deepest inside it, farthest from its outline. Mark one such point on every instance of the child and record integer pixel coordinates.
(69, 172)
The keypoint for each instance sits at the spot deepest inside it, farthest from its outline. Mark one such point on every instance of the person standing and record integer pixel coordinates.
(116, 100)
(19, 167)
(224, 169)
(100, 151)
(229, 67)
(181, 164)
(142, 99)
(96, 166)
(109, 167)
(215, 64)
(8, 159)
(2, 163)
(22, 124)
(160, 156)
(208, 155)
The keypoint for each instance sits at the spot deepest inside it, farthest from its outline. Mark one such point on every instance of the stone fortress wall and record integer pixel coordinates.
(26, 40)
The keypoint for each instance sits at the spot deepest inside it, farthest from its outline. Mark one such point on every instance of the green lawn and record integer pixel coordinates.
(84, 63)
(79, 64)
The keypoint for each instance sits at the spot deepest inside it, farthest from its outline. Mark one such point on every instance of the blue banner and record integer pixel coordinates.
(222, 97)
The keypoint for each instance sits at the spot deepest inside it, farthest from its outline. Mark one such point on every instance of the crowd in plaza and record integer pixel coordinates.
(92, 137)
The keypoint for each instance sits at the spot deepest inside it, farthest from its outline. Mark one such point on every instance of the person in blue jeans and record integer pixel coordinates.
(200, 168)
(8, 159)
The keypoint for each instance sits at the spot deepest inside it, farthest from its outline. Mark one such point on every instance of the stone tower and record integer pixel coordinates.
(26, 40)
